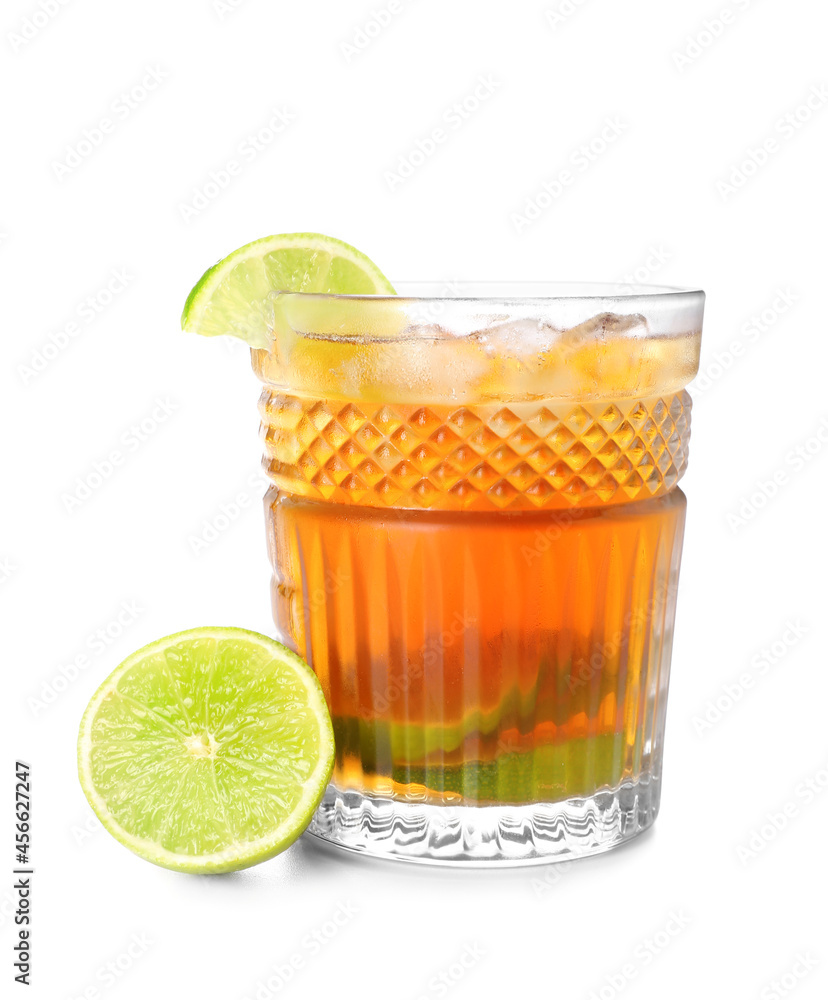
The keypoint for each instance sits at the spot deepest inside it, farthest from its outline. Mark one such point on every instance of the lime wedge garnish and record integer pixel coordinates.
(207, 751)
(239, 294)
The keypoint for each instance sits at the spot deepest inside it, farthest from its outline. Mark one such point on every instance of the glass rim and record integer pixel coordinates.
(518, 291)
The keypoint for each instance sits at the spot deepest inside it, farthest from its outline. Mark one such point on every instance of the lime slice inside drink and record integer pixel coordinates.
(239, 295)
(207, 751)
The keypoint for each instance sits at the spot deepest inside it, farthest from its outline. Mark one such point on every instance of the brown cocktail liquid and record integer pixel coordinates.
(485, 590)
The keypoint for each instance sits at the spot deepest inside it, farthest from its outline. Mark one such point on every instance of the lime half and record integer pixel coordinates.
(207, 751)
(239, 294)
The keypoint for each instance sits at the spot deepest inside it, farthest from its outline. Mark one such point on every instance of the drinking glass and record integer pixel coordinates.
(475, 532)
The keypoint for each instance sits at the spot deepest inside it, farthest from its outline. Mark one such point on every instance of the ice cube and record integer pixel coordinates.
(605, 326)
(524, 340)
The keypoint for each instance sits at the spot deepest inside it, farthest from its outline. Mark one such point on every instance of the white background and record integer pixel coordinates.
(653, 201)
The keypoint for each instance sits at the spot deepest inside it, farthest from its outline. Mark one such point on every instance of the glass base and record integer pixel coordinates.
(480, 836)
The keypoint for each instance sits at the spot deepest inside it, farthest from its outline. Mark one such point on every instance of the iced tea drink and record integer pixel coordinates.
(475, 533)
